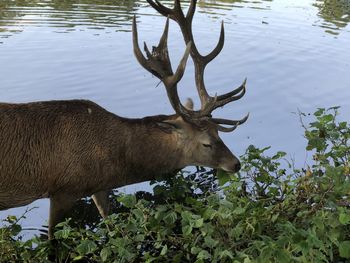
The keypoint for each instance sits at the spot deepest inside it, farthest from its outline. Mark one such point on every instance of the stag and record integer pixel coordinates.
(66, 150)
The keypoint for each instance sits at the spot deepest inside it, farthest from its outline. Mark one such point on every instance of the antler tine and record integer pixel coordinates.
(191, 10)
(226, 129)
(160, 7)
(230, 122)
(218, 46)
(170, 84)
(137, 51)
(163, 42)
(222, 100)
(235, 123)
(157, 61)
(213, 103)
(174, 79)
(233, 92)
(174, 13)
(177, 5)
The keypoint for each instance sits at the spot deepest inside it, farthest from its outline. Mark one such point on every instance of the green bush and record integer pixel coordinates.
(269, 212)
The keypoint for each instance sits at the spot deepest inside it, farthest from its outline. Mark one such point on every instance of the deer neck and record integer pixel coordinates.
(147, 150)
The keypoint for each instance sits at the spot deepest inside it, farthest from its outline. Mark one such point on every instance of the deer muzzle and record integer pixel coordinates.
(232, 165)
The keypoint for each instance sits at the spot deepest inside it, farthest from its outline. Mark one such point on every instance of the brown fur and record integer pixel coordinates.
(65, 150)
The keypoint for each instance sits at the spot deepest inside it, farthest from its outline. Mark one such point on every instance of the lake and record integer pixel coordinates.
(294, 53)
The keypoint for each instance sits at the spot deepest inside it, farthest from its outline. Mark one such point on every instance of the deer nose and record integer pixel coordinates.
(237, 166)
(231, 165)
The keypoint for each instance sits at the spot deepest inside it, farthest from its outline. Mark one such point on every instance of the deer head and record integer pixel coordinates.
(197, 130)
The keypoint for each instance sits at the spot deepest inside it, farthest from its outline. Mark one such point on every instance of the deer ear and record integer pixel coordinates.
(169, 126)
(189, 104)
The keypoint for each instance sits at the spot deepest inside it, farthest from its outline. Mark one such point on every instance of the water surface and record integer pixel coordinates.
(295, 55)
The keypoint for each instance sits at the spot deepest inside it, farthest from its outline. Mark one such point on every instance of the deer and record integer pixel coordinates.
(65, 150)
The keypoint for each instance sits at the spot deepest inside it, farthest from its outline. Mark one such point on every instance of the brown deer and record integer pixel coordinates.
(66, 150)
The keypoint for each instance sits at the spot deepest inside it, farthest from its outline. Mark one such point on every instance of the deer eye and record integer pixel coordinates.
(207, 145)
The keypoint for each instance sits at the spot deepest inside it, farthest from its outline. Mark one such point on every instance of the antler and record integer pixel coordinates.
(158, 63)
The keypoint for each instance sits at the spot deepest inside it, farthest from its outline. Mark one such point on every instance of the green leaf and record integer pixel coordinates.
(159, 189)
(195, 250)
(164, 250)
(86, 246)
(238, 211)
(210, 242)
(279, 155)
(344, 249)
(139, 238)
(105, 253)
(25, 256)
(344, 218)
(15, 229)
(186, 216)
(223, 177)
(283, 256)
(203, 254)
(63, 233)
(127, 200)
(343, 124)
(319, 112)
(327, 118)
(209, 213)
(186, 230)
(138, 214)
(119, 242)
(11, 219)
(225, 254)
(198, 223)
(226, 204)
(237, 231)
(78, 258)
(274, 217)
(170, 218)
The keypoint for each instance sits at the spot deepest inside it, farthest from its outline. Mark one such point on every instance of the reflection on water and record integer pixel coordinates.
(335, 14)
(68, 15)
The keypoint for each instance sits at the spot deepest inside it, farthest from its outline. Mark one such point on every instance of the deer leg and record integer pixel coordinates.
(59, 206)
(102, 202)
